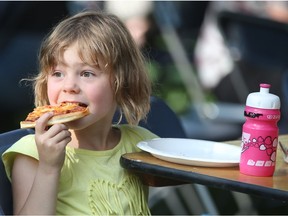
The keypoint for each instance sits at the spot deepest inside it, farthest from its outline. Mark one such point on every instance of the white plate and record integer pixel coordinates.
(193, 152)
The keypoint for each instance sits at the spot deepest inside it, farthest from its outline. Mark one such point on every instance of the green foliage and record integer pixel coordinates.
(169, 86)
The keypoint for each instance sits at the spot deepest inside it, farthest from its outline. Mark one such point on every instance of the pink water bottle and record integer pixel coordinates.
(260, 133)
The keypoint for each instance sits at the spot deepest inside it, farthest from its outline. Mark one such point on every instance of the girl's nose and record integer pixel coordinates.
(71, 86)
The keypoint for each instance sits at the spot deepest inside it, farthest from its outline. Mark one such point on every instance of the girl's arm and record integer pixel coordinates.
(35, 183)
(34, 191)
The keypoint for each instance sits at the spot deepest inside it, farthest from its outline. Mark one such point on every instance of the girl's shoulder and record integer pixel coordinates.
(25, 146)
(131, 135)
(136, 132)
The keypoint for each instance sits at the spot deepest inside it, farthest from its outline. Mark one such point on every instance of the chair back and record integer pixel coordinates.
(161, 120)
(259, 49)
(260, 41)
(6, 140)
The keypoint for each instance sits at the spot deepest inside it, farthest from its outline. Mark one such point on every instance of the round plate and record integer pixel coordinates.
(193, 152)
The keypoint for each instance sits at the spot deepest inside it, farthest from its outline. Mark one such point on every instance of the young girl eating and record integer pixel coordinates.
(73, 168)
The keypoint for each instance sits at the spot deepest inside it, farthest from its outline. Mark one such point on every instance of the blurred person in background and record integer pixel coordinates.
(212, 57)
(134, 14)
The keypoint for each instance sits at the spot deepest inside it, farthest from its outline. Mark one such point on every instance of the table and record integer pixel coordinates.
(156, 172)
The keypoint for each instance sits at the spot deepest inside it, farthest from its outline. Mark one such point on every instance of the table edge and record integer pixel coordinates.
(198, 178)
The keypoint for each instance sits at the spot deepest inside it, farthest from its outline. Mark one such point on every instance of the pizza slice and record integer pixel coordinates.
(64, 112)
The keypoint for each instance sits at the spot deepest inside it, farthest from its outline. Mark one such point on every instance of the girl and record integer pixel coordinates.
(74, 168)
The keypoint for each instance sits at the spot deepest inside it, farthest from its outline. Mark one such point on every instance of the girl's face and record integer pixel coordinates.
(75, 81)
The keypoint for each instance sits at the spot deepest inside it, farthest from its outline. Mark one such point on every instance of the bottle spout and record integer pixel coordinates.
(264, 88)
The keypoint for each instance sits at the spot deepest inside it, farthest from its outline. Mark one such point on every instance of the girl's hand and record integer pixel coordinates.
(51, 143)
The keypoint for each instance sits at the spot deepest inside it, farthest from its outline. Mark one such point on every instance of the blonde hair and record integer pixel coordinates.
(102, 37)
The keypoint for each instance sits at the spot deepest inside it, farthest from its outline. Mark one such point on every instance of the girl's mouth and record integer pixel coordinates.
(75, 102)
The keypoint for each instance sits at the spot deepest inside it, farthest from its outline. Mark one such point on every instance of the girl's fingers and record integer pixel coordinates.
(41, 123)
(58, 128)
(63, 134)
(57, 136)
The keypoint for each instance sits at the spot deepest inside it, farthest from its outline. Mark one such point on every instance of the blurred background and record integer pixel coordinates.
(203, 61)
(204, 58)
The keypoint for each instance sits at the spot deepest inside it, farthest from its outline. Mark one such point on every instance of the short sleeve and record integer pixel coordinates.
(26, 146)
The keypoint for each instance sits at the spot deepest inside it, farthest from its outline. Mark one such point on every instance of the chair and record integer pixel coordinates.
(259, 49)
(6, 140)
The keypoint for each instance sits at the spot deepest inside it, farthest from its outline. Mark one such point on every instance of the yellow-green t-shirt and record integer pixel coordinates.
(93, 182)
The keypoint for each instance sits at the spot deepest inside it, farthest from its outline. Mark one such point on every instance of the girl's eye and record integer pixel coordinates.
(57, 74)
(87, 74)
